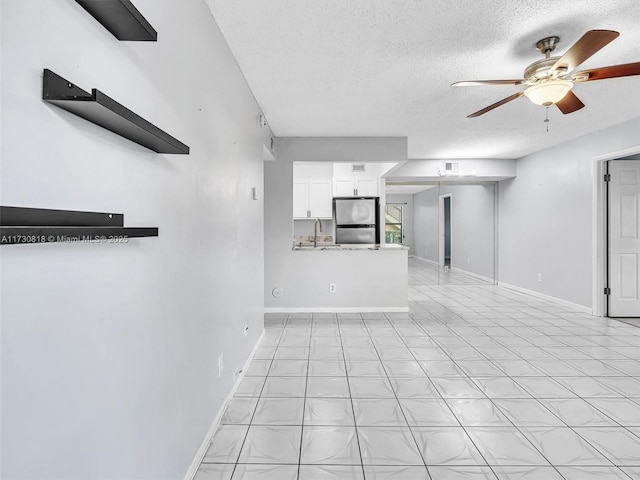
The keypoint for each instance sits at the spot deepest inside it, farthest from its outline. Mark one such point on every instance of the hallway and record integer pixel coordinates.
(476, 382)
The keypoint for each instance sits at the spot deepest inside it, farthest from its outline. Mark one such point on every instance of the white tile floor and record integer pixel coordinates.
(476, 382)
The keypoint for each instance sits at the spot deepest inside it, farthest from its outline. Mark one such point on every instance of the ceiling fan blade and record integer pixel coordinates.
(473, 83)
(570, 103)
(495, 105)
(614, 71)
(590, 43)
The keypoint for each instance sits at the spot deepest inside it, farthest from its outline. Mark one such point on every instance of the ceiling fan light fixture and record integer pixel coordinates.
(549, 92)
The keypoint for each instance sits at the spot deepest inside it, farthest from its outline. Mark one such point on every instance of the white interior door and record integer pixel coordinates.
(624, 238)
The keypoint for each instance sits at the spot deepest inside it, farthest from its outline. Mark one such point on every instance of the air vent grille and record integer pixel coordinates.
(358, 167)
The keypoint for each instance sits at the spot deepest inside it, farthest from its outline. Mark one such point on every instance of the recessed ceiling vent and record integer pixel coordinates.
(451, 167)
(358, 167)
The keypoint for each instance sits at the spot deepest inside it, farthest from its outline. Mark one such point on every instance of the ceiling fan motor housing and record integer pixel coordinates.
(539, 70)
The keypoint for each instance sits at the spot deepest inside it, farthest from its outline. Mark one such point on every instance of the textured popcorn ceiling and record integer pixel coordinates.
(384, 67)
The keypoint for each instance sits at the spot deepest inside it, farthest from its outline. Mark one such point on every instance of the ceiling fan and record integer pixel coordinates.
(551, 79)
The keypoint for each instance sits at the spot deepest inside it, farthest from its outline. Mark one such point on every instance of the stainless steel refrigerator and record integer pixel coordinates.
(356, 219)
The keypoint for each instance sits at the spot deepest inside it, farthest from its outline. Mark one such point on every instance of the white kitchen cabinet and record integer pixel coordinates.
(312, 198)
(312, 190)
(300, 196)
(355, 187)
(367, 187)
(344, 187)
(320, 199)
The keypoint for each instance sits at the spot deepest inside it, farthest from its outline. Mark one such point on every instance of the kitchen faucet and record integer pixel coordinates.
(315, 231)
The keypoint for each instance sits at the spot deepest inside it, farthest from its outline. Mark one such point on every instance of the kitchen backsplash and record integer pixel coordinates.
(302, 240)
(308, 227)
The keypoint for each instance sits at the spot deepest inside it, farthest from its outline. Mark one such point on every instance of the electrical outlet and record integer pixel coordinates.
(539, 277)
(220, 364)
(332, 288)
(246, 329)
(468, 261)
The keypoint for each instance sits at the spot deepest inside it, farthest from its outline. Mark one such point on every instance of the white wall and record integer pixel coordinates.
(546, 215)
(373, 279)
(425, 224)
(312, 170)
(345, 149)
(366, 280)
(109, 352)
(407, 218)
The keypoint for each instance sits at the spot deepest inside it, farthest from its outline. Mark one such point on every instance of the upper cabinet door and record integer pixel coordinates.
(320, 198)
(367, 187)
(312, 190)
(355, 187)
(300, 205)
(344, 187)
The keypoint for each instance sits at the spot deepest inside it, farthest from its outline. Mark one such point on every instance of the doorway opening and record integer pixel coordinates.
(445, 232)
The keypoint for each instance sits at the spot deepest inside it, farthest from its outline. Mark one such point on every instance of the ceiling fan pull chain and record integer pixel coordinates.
(546, 119)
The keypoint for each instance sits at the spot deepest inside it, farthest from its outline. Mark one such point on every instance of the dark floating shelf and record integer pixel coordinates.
(121, 18)
(102, 110)
(36, 225)
(43, 217)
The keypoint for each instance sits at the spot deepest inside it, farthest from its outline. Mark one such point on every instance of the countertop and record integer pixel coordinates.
(342, 247)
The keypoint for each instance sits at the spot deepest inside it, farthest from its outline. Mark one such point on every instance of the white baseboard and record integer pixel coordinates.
(424, 259)
(336, 310)
(474, 275)
(195, 464)
(458, 269)
(560, 301)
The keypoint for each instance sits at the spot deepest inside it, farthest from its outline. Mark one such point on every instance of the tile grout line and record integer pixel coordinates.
(454, 308)
(235, 466)
(304, 400)
(445, 402)
(490, 399)
(346, 372)
(395, 393)
(546, 375)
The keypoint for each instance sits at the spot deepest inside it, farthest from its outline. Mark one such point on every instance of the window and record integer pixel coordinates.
(393, 223)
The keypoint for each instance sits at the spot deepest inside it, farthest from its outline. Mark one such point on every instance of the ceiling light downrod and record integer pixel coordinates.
(547, 45)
